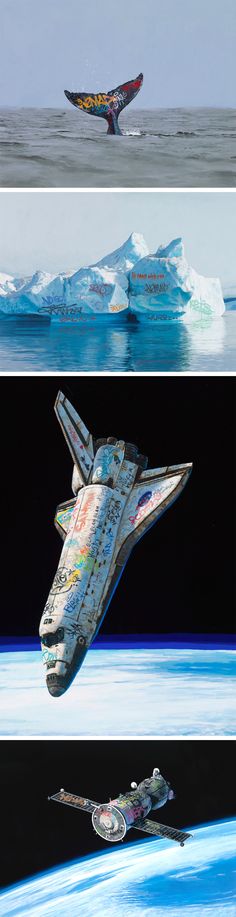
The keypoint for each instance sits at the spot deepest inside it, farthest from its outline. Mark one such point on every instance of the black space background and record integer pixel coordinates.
(180, 577)
(39, 834)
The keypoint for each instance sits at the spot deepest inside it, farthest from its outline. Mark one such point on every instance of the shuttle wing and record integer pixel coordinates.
(77, 436)
(78, 802)
(154, 827)
(154, 492)
(63, 517)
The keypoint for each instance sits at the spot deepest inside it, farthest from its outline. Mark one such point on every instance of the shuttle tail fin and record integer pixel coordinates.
(77, 436)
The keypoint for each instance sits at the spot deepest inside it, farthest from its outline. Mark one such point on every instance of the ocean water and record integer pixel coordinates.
(28, 345)
(123, 692)
(147, 878)
(163, 148)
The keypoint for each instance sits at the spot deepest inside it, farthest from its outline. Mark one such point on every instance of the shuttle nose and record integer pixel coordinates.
(56, 685)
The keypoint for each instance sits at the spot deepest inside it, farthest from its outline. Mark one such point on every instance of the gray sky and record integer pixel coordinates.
(59, 231)
(186, 49)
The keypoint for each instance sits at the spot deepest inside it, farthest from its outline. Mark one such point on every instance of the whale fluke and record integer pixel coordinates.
(107, 105)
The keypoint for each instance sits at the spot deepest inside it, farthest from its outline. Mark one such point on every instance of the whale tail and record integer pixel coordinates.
(107, 105)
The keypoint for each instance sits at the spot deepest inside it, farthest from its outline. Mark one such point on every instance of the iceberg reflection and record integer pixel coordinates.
(207, 335)
(160, 345)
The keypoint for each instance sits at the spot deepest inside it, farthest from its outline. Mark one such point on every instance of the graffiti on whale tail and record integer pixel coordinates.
(107, 105)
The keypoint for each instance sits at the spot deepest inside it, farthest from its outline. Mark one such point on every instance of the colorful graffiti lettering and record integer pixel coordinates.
(103, 462)
(82, 518)
(145, 498)
(86, 560)
(114, 511)
(71, 318)
(49, 657)
(147, 276)
(108, 545)
(65, 579)
(156, 288)
(101, 101)
(73, 434)
(200, 305)
(117, 308)
(64, 516)
(100, 288)
(63, 310)
(72, 579)
(53, 300)
(75, 439)
(127, 476)
(140, 512)
(155, 276)
(71, 605)
(71, 542)
(161, 316)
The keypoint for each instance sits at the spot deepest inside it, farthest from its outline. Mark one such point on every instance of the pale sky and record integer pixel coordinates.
(186, 49)
(60, 231)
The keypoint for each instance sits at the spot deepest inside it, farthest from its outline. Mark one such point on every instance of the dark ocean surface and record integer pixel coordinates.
(28, 345)
(162, 148)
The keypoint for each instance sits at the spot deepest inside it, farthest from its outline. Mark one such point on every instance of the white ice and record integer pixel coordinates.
(128, 280)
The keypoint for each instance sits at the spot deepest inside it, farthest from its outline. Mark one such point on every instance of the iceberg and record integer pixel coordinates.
(128, 282)
(9, 284)
(89, 290)
(230, 297)
(104, 287)
(124, 258)
(28, 295)
(164, 284)
(6, 284)
(97, 290)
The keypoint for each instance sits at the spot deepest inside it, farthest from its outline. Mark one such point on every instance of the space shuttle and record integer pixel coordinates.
(116, 500)
(113, 819)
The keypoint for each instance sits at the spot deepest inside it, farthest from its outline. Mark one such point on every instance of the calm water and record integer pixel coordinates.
(164, 147)
(161, 346)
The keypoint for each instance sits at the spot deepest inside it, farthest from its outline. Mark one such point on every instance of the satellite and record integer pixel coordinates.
(112, 820)
(116, 500)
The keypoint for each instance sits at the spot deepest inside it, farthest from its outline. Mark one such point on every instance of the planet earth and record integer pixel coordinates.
(151, 878)
(121, 692)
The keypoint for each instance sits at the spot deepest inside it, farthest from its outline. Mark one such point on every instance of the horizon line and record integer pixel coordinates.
(141, 641)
